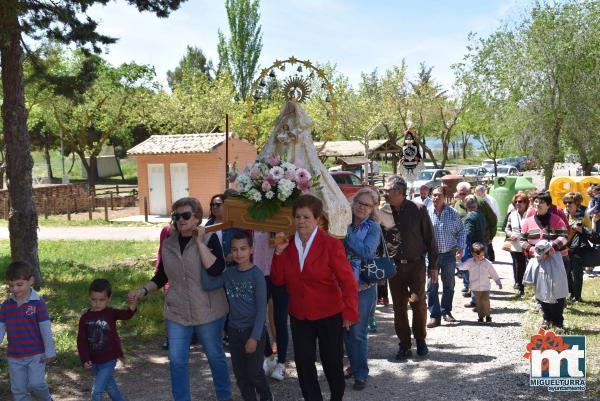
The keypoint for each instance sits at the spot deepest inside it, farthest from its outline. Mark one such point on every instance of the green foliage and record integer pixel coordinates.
(239, 54)
(538, 79)
(198, 105)
(192, 65)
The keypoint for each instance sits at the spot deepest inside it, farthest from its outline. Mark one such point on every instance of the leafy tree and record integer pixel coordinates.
(198, 106)
(540, 66)
(64, 21)
(194, 63)
(240, 53)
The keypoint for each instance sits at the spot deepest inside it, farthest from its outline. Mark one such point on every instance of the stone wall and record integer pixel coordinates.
(58, 199)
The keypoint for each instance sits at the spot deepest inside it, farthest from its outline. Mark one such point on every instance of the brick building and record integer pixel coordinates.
(173, 166)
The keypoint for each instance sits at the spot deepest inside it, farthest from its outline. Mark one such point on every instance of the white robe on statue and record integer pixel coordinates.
(291, 139)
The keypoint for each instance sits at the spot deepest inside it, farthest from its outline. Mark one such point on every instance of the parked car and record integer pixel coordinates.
(503, 171)
(430, 177)
(519, 162)
(349, 183)
(473, 173)
(487, 163)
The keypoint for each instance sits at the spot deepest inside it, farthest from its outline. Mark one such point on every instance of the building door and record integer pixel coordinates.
(156, 187)
(179, 181)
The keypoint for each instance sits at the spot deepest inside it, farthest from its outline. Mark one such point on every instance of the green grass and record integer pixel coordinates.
(68, 268)
(61, 221)
(581, 318)
(128, 166)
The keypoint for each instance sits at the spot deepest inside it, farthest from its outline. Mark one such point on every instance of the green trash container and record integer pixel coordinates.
(503, 191)
(524, 184)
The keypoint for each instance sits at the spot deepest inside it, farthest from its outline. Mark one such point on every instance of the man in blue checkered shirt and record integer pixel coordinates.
(450, 236)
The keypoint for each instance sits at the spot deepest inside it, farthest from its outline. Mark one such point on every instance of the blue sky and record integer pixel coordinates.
(358, 36)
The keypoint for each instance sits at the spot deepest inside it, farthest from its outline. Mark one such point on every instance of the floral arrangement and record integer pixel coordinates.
(273, 183)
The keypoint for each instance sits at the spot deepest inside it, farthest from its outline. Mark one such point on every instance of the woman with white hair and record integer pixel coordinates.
(361, 243)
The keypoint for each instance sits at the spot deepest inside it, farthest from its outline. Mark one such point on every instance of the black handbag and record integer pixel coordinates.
(380, 268)
(591, 257)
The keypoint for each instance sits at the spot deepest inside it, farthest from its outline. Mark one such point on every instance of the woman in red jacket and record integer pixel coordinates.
(323, 297)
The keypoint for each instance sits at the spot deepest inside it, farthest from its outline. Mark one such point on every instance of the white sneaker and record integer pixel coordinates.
(279, 372)
(269, 365)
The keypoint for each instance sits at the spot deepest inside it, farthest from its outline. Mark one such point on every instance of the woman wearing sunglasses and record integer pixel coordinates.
(188, 308)
(520, 203)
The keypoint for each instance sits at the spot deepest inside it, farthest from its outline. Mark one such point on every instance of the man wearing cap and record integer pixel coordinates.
(409, 236)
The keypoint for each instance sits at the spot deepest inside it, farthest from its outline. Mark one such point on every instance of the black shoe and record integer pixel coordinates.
(467, 294)
(545, 325)
(449, 318)
(359, 385)
(165, 344)
(488, 319)
(480, 320)
(403, 353)
(422, 349)
(433, 323)
(465, 290)
(516, 286)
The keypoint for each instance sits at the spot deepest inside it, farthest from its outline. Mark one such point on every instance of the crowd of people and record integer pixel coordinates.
(236, 289)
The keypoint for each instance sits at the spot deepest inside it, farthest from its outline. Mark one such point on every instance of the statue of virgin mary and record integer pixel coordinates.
(291, 139)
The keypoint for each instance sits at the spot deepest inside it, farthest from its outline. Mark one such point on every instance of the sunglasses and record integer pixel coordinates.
(186, 216)
(216, 204)
(519, 201)
(568, 202)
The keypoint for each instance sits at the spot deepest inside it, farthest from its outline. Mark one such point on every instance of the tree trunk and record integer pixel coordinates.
(23, 220)
(91, 170)
(48, 160)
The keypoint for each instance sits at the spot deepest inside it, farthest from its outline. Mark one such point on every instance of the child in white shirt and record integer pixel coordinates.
(480, 270)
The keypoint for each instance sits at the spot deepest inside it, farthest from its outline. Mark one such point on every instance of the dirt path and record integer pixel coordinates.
(467, 361)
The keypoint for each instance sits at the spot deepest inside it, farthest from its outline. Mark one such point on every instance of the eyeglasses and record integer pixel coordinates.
(365, 205)
(216, 204)
(519, 201)
(568, 202)
(186, 216)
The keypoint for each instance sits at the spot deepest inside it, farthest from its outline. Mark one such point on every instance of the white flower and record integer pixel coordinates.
(254, 195)
(270, 195)
(285, 188)
(287, 166)
(243, 182)
(277, 172)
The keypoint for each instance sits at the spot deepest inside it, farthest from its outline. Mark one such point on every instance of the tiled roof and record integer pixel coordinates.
(184, 143)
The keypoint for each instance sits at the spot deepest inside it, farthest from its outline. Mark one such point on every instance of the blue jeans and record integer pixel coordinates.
(27, 376)
(105, 381)
(446, 263)
(210, 336)
(356, 339)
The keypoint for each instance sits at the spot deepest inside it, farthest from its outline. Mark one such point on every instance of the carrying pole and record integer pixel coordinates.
(226, 150)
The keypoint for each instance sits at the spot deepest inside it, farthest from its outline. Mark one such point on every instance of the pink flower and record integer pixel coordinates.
(273, 160)
(271, 180)
(290, 175)
(266, 186)
(303, 186)
(299, 163)
(302, 175)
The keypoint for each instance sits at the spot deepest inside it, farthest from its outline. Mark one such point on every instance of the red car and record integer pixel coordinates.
(349, 183)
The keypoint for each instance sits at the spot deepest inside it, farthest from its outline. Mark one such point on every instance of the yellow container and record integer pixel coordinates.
(559, 186)
(583, 184)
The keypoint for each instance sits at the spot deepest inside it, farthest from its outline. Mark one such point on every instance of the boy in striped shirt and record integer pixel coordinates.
(24, 318)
